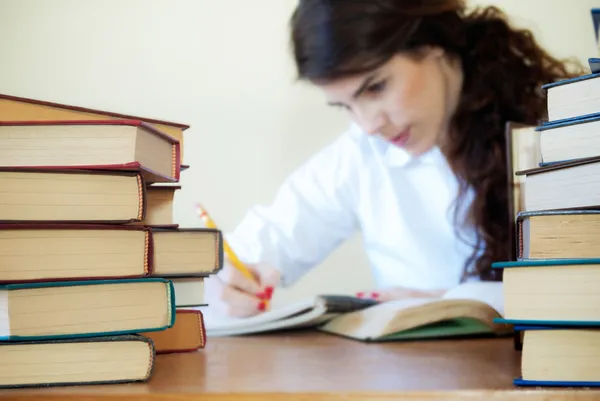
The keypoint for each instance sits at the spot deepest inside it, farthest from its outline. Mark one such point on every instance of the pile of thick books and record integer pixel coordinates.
(96, 278)
(552, 289)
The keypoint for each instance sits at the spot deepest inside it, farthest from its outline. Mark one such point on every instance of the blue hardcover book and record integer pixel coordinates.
(519, 381)
(569, 81)
(594, 64)
(50, 310)
(569, 139)
(566, 122)
(551, 292)
(559, 357)
(573, 97)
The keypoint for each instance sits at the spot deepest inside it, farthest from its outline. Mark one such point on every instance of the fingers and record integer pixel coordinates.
(389, 294)
(369, 295)
(269, 279)
(231, 293)
(229, 301)
(234, 278)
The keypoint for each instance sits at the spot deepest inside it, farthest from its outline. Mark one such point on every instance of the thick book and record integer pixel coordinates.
(38, 311)
(189, 291)
(573, 97)
(60, 252)
(187, 334)
(570, 139)
(566, 185)
(559, 357)
(91, 144)
(76, 361)
(15, 108)
(71, 196)
(467, 310)
(556, 234)
(558, 292)
(185, 252)
(160, 200)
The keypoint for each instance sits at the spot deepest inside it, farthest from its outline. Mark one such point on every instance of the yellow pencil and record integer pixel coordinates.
(235, 261)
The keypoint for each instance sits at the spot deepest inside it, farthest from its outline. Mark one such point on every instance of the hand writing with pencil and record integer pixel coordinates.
(230, 293)
(238, 290)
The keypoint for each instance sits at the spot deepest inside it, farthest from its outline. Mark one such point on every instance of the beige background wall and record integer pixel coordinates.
(222, 66)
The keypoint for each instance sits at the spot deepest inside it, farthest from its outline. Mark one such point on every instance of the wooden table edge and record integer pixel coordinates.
(542, 394)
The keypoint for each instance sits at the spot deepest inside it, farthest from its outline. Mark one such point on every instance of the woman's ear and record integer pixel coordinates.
(430, 52)
(434, 52)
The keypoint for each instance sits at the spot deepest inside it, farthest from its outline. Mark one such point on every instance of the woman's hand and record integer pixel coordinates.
(232, 294)
(390, 294)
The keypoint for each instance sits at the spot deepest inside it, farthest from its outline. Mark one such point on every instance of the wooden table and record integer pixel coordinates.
(310, 366)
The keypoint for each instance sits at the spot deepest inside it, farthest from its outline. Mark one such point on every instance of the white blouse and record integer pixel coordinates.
(402, 205)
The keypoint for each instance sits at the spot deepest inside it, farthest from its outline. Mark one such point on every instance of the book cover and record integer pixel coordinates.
(5, 308)
(44, 363)
(150, 174)
(26, 174)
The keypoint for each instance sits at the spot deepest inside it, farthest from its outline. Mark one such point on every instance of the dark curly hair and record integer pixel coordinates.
(503, 67)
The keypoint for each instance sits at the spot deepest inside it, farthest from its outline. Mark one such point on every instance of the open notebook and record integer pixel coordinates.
(307, 313)
(468, 309)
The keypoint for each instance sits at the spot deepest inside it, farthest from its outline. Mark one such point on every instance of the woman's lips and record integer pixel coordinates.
(401, 139)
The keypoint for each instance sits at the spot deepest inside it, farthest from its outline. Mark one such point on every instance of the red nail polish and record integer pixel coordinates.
(374, 295)
(262, 306)
(269, 292)
(261, 295)
(360, 294)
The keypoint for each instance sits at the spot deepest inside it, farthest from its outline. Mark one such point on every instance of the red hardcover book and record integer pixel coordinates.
(64, 252)
(39, 195)
(130, 145)
(26, 109)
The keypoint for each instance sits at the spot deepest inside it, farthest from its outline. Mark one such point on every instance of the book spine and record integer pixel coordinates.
(148, 253)
(142, 198)
(176, 157)
(202, 329)
(519, 239)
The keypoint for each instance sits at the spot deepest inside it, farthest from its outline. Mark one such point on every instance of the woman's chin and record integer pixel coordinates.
(418, 149)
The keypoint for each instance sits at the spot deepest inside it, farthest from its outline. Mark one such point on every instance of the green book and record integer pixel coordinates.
(51, 310)
(466, 310)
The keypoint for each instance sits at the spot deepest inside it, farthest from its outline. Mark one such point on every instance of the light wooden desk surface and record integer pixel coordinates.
(311, 366)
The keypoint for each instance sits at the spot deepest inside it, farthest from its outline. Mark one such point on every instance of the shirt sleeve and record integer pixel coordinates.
(311, 214)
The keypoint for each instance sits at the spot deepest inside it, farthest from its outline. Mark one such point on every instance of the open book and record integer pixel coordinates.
(468, 309)
(308, 313)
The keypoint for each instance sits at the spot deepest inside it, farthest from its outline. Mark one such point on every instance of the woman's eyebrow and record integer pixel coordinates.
(364, 85)
(367, 81)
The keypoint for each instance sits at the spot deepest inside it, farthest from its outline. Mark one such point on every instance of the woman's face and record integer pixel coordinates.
(408, 101)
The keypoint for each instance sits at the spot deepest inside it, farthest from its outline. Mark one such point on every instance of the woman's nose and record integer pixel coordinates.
(371, 123)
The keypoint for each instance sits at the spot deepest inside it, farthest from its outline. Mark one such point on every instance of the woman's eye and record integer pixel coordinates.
(376, 87)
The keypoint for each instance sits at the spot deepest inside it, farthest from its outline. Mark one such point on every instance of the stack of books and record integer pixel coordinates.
(96, 279)
(552, 288)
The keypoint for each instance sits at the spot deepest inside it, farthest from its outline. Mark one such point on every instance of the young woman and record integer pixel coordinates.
(421, 170)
